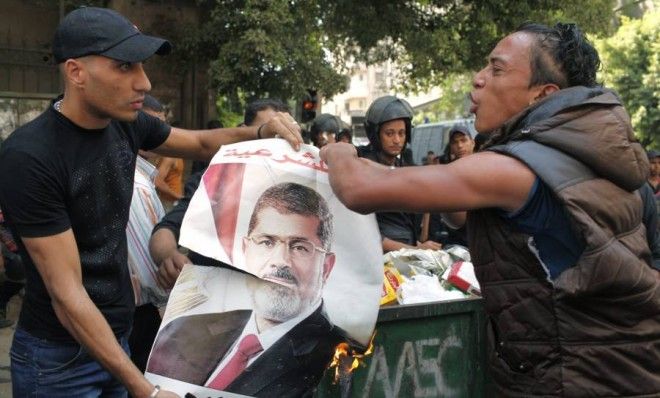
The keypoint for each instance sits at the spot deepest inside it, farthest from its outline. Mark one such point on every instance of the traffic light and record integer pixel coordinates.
(309, 104)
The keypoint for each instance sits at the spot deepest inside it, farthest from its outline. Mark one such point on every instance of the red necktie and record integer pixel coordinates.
(247, 348)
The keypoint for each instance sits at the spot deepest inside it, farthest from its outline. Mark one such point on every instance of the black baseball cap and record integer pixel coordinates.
(101, 31)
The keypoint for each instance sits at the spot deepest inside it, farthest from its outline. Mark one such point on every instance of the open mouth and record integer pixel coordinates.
(473, 105)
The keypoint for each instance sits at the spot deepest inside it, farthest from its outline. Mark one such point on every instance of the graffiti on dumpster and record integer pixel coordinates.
(419, 361)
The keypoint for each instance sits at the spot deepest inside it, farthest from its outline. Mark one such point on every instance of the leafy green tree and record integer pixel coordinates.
(631, 65)
(261, 48)
(226, 114)
(281, 48)
(434, 39)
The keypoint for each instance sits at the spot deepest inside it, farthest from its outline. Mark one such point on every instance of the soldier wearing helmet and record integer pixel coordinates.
(324, 129)
(345, 135)
(388, 124)
(328, 129)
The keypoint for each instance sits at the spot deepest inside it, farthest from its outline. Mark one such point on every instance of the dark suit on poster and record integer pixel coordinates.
(190, 348)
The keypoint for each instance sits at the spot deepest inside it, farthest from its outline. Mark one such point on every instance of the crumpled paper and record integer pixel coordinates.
(419, 261)
(425, 288)
(458, 252)
(422, 273)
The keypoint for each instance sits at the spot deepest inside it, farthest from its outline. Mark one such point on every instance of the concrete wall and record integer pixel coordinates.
(186, 95)
(26, 28)
(26, 69)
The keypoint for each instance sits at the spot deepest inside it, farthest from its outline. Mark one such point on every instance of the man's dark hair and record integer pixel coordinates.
(259, 105)
(562, 55)
(292, 198)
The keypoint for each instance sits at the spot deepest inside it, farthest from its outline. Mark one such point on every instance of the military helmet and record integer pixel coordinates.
(383, 110)
(325, 122)
(330, 124)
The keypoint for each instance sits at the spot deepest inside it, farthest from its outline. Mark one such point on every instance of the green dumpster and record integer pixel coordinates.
(424, 350)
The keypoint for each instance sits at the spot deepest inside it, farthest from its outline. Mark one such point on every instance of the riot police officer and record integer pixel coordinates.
(388, 125)
(328, 129)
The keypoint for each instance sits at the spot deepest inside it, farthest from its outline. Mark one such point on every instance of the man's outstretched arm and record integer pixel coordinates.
(57, 260)
(477, 181)
(203, 144)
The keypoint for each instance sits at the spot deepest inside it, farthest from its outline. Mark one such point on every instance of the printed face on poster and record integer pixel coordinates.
(307, 277)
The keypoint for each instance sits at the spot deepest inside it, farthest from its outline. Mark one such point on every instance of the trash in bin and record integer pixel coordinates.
(423, 289)
(414, 276)
(461, 274)
(391, 281)
(458, 252)
(419, 261)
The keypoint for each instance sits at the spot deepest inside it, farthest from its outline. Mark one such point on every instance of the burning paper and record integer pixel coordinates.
(310, 280)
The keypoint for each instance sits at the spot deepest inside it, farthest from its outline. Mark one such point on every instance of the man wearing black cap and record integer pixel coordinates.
(65, 187)
(461, 143)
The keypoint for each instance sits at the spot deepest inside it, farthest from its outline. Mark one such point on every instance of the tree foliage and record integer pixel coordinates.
(261, 48)
(452, 104)
(434, 39)
(631, 65)
(283, 47)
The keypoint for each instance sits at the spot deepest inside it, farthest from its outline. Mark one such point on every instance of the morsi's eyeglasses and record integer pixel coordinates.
(297, 248)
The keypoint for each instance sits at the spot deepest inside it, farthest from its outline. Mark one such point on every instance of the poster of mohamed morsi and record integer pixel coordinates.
(308, 275)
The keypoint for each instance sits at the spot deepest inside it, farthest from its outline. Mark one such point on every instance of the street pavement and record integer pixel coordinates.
(6, 335)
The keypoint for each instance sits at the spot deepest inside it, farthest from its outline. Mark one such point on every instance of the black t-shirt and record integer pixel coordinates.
(398, 226)
(54, 176)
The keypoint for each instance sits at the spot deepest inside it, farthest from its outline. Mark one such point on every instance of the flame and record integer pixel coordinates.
(345, 359)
